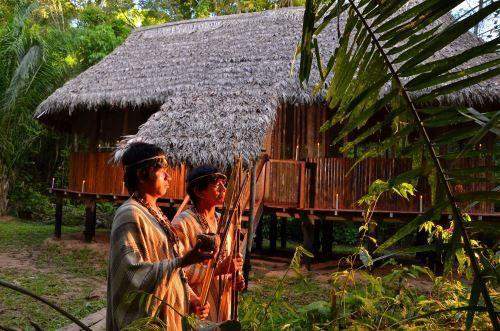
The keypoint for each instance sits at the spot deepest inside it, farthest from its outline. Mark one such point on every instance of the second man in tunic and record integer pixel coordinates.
(206, 187)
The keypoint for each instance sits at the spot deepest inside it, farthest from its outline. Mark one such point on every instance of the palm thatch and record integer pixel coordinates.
(218, 81)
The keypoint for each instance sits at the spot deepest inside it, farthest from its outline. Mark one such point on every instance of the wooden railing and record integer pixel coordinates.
(337, 184)
(94, 172)
(284, 179)
(319, 184)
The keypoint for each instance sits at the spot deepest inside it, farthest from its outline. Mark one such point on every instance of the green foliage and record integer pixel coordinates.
(346, 234)
(67, 276)
(28, 203)
(405, 297)
(16, 234)
(388, 48)
(43, 43)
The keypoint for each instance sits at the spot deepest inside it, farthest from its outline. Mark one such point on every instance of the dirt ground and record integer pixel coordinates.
(49, 259)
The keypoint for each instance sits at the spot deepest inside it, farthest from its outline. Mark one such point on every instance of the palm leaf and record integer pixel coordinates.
(475, 294)
(413, 36)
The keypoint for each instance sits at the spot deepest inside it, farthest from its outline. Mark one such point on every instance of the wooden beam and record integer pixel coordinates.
(283, 232)
(273, 232)
(307, 235)
(336, 219)
(283, 214)
(316, 236)
(327, 233)
(302, 185)
(258, 236)
(90, 220)
(247, 266)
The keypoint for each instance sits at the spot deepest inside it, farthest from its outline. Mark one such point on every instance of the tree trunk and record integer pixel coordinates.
(4, 189)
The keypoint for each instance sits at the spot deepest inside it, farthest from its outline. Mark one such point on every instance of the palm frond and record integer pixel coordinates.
(385, 68)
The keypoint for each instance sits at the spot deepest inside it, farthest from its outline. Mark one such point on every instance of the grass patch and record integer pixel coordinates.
(297, 293)
(83, 262)
(17, 310)
(67, 277)
(15, 234)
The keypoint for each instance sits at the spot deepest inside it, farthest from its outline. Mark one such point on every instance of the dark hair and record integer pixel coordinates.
(132, 156)
(199, 178)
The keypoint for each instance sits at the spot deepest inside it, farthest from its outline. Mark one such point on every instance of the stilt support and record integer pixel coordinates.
(90, 220)
(58, 216)
(273, 232)
(283, 232)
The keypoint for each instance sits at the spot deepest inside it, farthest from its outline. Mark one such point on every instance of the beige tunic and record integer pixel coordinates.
(188, 227)
(142, 260)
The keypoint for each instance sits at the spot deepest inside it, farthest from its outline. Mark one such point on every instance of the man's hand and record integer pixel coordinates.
(240, 283)
(196, 255)
(237, 263)
(228, 266)
(197, 308)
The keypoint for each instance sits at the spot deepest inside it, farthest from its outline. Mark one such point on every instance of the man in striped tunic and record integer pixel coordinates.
(206, 189)
(146, 256)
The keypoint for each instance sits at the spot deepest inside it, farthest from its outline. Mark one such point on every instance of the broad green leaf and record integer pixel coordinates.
(449, 34)
(479, 196)
(453, 245)
(412, 41)
(446, 118)
(318, 59)
(442, 65)
(479, 118)
(457, 86)
(430, 79)
(334, 12)
(372, 129)
(417, 11)
(409, 175)
(361, 118)
(418, 23)
(413, 225)
(387, 9)
(475, 294)
(305, 46)
(324, 9)
(480, 135)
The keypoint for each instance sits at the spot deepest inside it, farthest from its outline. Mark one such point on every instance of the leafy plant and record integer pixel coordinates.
(388, 47)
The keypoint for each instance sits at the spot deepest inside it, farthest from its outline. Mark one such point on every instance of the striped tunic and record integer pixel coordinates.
(142, 260)
(188, 227)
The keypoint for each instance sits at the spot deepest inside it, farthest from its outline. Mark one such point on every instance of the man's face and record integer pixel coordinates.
(158, 182)
(215, 192)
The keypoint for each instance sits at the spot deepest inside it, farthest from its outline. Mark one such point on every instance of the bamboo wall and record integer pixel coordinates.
(327, 184)
(296, 133)
(103, 177)
(316, 183)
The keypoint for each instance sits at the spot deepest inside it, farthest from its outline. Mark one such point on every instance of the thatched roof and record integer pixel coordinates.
(218, 81)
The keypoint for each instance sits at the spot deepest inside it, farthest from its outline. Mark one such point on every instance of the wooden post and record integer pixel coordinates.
(58, 215)
(307, 236)
(316, 236)
(327, 229)
(283, 232)
(302, 185)
(273, 232)
(251, 223)
(258, 235)
(312, 185)
(90, 219)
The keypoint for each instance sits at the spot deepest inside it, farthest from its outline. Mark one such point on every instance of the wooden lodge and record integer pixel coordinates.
(206, 90)
(301, 179)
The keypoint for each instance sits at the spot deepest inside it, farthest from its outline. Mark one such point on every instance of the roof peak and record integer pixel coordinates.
(218, 18)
